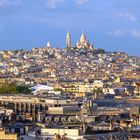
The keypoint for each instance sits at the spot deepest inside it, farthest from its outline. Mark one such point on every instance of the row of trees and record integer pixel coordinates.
(11, 88)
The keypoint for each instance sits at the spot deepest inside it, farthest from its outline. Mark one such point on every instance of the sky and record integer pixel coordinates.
(113, 25)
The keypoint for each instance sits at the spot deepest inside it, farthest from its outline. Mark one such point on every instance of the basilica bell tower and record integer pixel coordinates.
(68, 40)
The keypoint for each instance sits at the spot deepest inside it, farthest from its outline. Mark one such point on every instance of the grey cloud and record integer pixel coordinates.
(134, 33)
(52, 4)
(81, 2)
(126, 16)
(5, 3)
(116, 33)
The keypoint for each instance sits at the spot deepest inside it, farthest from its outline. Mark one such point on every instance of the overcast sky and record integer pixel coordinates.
(113, 25)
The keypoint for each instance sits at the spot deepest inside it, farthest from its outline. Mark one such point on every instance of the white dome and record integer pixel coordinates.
(83, 38)
(49, 44)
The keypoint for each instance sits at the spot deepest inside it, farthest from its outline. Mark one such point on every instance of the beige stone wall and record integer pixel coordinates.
(4, 136)
(69, 132)
(55, 110)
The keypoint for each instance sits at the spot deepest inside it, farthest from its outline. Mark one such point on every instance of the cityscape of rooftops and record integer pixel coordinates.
(69, 70)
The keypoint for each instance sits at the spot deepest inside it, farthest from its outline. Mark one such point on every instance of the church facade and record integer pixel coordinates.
(81, 44)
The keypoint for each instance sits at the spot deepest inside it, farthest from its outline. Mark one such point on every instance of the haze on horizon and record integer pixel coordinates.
(113, 25)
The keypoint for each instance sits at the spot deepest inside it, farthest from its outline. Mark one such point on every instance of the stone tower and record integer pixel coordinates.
(68, 40)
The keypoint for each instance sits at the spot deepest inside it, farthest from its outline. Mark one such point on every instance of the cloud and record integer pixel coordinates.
(52, 4)
(81, 2)
(127, 16)
(116, 33)
(135, 33)
(128, 33)
(5, 3)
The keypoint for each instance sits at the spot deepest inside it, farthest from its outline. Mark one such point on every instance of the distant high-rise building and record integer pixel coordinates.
(68, 40)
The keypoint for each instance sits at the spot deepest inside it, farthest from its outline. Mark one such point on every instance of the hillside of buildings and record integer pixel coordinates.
(69, 67)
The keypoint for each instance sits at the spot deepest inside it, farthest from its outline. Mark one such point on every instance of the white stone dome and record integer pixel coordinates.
(48, 44)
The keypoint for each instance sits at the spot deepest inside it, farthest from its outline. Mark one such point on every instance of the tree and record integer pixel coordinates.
(98, 51)
(23, 89)
(12, 88)
(98, 90)
(8, 88)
